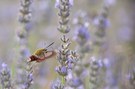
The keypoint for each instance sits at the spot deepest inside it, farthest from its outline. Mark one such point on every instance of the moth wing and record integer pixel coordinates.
(48, 54)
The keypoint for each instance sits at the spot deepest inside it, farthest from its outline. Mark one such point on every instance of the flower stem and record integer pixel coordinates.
(63, 80)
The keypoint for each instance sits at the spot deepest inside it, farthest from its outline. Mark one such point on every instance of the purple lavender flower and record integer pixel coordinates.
(57, 85)
(62, 70)
(94, 67)
(24, 76)
(75, 82)
(65, 56)
(64, 8)
(29, 81)
(82, 35)
(5, 77)
(57, 4)
(101, 23)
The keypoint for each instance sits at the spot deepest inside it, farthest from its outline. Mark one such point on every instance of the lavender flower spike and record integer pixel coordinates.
(65, 57)
(57, 85)
(64, 12)
(25, 78)
(94, 67)
(57, 4)
(29, 81)
(5, 77)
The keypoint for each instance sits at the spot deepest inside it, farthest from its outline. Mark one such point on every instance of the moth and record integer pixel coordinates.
(42, 54)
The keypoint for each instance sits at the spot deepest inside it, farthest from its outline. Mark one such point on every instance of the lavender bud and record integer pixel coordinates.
(82, 35)
(62, 70)
(75, 82)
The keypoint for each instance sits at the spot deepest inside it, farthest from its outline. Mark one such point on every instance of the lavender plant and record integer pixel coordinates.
(99, 40)
(82, 37)
(79, 72)
(76, 76)
(101, 23)
(94, 69)
(64, 56)
(82, 34)
(64, 8)
(5, 77)
(24, 79)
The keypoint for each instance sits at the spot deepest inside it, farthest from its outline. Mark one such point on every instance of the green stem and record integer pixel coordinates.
(63, 80)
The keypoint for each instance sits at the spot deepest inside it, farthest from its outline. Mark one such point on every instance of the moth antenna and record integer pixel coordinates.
(50, 45)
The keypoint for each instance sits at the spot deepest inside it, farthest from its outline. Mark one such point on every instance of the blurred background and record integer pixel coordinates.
(120, 35)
